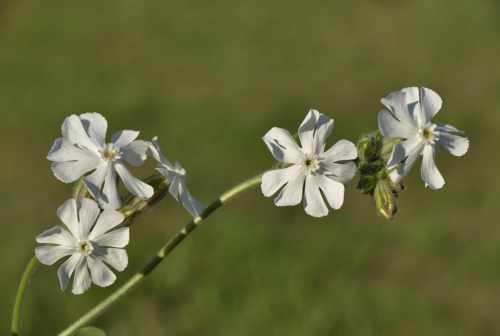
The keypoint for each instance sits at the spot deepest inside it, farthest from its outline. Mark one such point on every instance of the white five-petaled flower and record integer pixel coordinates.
(83, 149)
(310, 164)
(176, 175)
(411, 119)
(89, 245)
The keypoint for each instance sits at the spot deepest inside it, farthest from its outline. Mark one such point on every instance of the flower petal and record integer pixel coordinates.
(156, 153)
(174, 180)
(62, 150)
(96, 126)
(396, 103)
(106, 221)
(340, 172)
(306, 131)
(273, 180)
(413, 104)
(48, 255)
(342, 150)
(282, 145)
(135, 152)
(88, 213)
(134, 185)
(431, 104)
(430, 173)
(115, 238)
(193, 206)
(390, 127)
(116, 258)
(404, 149)
(67, 268)
(75, 134)
(71, 171)
(292, 192)
(123, 138)
(82, 282)
(94, 181)
(400, 173)
(448, 128)
(323, 130)
(333, 191)
(57, 235)
(314, 205)
(101, 274)
(68, 214)
(110, 199)
(454, 144)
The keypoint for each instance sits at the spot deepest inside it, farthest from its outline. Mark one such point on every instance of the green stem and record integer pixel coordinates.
(160, 256)
(16, 315)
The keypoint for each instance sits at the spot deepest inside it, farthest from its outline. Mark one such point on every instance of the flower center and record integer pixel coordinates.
(111, 155)
(310, 164)
(85, 247)
(428, 134)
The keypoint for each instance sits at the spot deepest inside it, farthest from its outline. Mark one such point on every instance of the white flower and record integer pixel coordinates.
(89, 247)
(82, 149)
(176, 175)
(411, 119)
(310, 163)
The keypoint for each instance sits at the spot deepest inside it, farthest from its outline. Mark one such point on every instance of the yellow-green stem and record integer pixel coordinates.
(160, 256)
(16, 315)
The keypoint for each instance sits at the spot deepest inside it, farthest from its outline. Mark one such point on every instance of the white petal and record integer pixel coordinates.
(72, 170)
(430, 173)
(282, 145)
(404, 149)
(341, 172)
(135, 152)
(75, 134)
(62, 150)
(454, 144)
(390, 127)
(96, 126)
(306, 131)
(116, 258)
(116, 238)
(333, 191)
(314, 204)
(431, 104)
(413, 104)
(193, 206)
(156, 153)
(342, 150)
(396, 103)
(101, 274)
(400, 173)
(106, 221)
(68, 214)
(48, 255)
(123, 138)
(88, 213)
(110, 198)
(323, 130)
(134, 185)
(57, 235)
(292, 192)
(412, 95)
(67, 268)
(273, 180)
(174, 182)
(81, 282)
(94, 181)
(448, 128)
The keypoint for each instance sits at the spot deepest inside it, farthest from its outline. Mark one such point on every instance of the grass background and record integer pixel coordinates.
(210, 78)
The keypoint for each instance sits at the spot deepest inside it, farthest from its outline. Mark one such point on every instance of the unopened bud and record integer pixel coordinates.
(133, 205)
(80, 191)
(367, 146)
(386, 146)
(367, 184)
(385, 199)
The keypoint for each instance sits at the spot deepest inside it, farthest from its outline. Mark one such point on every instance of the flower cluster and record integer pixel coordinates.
(82, 152)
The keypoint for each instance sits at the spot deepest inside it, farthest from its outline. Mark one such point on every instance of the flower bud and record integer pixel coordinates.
(385, 199)
(367, 184)
(133, 205)
(385, 149)
(367, 146)
(80, 190)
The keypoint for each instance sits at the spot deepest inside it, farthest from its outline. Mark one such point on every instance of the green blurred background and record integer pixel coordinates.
(210, 78)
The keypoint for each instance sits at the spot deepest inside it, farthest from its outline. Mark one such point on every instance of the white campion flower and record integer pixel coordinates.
(411, 119)
(176, 175)
(83, 149)
(88, 245)
(309, 164)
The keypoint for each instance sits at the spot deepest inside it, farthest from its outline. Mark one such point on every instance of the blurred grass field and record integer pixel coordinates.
(210, 79)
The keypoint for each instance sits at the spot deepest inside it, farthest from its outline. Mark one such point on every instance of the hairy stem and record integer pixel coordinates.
(18, 305)
(160, 256)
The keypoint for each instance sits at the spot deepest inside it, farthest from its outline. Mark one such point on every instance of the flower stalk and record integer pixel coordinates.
(16, 316)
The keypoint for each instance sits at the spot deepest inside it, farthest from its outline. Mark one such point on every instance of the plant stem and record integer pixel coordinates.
(160, 256)
(18, 305)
